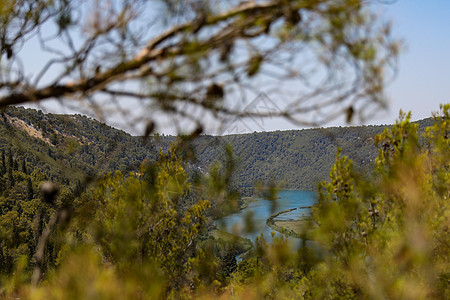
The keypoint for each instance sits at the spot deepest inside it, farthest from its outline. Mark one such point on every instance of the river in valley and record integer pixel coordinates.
(251, 221)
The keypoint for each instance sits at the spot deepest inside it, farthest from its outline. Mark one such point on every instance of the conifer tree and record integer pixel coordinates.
(3, 162)
(10, 160)
(24, 167)
(30, 193)
(11, 180)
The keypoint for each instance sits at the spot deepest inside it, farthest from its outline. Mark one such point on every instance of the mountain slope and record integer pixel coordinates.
(299, 159)
(68, 147)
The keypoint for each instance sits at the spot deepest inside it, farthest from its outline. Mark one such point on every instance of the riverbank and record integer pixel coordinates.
(230, 242)
(252, 220)
(291, 227)
(246, 201)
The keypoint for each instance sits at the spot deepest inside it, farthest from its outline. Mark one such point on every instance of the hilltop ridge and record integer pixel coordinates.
(66, 147)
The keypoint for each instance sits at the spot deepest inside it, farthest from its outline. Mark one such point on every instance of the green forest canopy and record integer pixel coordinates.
(153, 224)
(70, 229)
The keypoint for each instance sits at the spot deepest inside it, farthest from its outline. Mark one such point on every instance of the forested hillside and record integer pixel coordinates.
(155, 223)
(296, 159)
(88, 211)
(64, 151)
(67, 148)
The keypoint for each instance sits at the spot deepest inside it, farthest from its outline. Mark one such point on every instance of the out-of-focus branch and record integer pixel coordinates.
(149, 53)
(329, 53)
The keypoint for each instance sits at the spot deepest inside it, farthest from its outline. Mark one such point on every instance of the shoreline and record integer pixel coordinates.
(246, 201)
(239, 244)
(291, 228)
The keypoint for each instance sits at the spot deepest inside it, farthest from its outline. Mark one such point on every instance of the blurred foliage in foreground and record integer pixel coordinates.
(144, 237)
(388, 239)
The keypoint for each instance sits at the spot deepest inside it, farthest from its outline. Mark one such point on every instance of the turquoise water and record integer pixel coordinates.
(251, 221)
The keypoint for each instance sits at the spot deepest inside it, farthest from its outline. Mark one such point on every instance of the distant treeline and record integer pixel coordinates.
(66, 148)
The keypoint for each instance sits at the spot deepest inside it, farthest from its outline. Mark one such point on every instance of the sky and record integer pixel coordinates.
(422, 81)
(423, 78)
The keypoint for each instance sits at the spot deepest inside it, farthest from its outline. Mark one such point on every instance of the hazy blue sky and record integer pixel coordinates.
(423, 79)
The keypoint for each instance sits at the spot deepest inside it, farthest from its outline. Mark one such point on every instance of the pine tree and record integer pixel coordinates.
(30, 193)
(3, 159)
(11, 180)
(24, 167)
(3, 166)
(10, 161)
